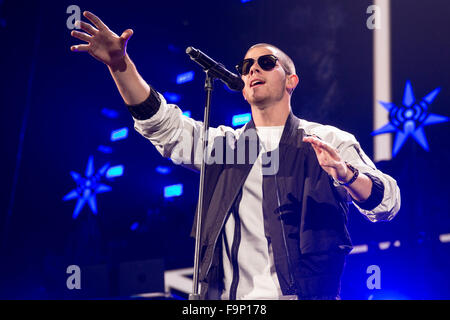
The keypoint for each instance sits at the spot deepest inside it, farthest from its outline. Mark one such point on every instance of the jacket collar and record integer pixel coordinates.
(290, 127)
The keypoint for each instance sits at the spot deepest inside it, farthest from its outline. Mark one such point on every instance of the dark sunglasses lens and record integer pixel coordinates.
(267, 62)
(245, 66)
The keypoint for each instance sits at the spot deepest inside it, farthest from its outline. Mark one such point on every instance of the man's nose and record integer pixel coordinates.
(254, 68)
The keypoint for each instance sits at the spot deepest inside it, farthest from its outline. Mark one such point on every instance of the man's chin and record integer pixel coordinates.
(259, 102)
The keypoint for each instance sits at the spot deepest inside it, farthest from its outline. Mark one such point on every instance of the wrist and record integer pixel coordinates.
(351, 176)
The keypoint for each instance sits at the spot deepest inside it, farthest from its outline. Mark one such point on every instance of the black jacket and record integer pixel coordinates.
(305, 218)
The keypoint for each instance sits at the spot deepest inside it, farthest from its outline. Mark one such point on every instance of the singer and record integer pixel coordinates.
(278, 234)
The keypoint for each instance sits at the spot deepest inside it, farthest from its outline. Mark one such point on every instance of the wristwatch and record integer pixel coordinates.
(355, 175)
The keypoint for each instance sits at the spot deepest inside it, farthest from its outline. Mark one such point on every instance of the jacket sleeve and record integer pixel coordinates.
(173, 134)
(384, 201)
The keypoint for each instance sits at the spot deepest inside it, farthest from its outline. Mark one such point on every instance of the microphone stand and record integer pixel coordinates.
(208, 88)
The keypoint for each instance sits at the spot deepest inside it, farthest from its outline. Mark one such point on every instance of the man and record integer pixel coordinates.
(276, 234)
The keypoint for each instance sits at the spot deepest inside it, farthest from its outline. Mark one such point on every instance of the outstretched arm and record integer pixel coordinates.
(107, 47)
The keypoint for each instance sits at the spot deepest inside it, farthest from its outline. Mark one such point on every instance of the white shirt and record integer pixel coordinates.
(257, 275)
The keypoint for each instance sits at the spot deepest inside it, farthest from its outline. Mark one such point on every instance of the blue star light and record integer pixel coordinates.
(410, 118)
(87, 187)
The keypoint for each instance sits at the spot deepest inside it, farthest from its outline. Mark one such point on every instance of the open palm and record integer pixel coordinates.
(329, 159)
(102, 43)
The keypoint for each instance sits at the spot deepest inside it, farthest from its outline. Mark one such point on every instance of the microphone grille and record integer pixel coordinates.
(192, 52)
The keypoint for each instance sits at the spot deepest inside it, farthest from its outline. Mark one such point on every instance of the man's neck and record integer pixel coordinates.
(275, 115)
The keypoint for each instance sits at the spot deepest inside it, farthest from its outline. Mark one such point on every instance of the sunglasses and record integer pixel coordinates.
(266, 62)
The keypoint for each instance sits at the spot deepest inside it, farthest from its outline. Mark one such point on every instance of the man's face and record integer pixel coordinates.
(272, 84)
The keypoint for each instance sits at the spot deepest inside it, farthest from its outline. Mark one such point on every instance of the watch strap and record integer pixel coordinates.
(355, 175)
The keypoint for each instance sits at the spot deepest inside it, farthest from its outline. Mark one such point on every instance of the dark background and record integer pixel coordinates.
(51, 106)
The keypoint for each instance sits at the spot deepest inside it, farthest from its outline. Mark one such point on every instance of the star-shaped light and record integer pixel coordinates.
(87, 188)
(410, 118)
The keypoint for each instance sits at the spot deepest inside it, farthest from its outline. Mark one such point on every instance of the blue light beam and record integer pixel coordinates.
(185, 77)
(175, 190)
(115, 171)
(241, 119)
(119, 134)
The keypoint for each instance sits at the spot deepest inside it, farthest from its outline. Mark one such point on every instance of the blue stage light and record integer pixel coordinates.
(175, 190)
(134, 226)
(187, 113)
(119, 134)
(172, 97)
(388, 295)
(110, 113)
(87, 187)
(104, 149)
(241, 119)
(163, 170)
(115, 171)
(185, 77)
(409, 119)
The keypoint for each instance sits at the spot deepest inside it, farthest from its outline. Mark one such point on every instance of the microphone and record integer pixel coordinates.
(217, 70)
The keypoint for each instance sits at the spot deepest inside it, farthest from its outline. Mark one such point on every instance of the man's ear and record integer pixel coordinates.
(243, 93)
(292, 81)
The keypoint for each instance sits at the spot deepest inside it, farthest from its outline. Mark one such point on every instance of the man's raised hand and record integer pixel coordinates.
(102, 43)
(329, 159)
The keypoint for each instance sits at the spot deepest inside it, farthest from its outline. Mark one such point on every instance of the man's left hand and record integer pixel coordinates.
(329, 159)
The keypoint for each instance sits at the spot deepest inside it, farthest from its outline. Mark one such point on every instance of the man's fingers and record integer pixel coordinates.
(314, 144)
(326, 155)
(126, 35)
(319, 153)
(87, 28)
(81, 35)
(80, 48)
(327, 147)
(311, 140)
(316, 149)
(319, 144)
(95, 20)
